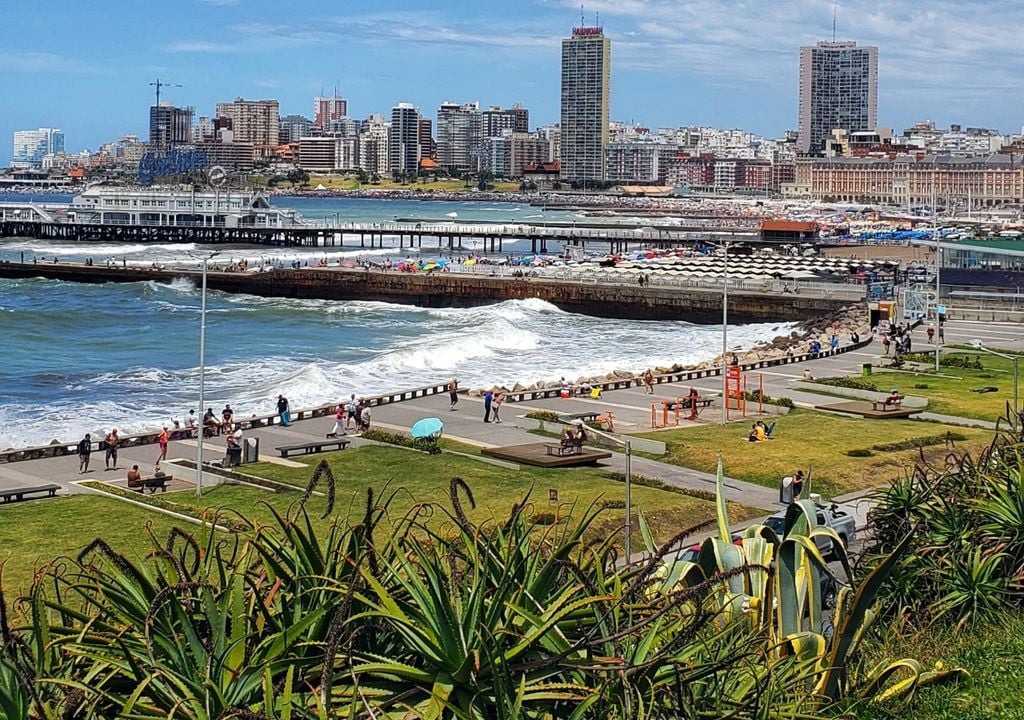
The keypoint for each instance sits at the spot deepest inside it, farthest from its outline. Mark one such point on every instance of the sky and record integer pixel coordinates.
(86, 66)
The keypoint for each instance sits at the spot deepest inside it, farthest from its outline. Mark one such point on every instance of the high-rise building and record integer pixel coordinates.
(838, 91)
(252, 121)
(293, 127)
(586, 99)
(328, 109)
(31, 146)
(373, 144)
(203, 131)
(404, 139)
(496, 120)
(428, 148)
(169, 126)
(459, 134)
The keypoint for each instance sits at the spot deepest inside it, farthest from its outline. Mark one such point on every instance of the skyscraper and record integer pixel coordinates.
(838, 90)
(328, 109)
(459, 134)
(586, 98)
(169, 125)
(404, 139)
(31, 146)
(252, 121)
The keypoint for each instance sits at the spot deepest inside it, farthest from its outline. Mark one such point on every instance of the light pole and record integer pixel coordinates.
(628, 446)
(725, 332)
(202, 376)
(938, 269)
(978, 345)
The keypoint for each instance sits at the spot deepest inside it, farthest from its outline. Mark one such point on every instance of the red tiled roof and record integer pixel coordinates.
(789, 226)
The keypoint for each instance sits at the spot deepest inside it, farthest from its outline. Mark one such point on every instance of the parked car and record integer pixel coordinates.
(832, 516)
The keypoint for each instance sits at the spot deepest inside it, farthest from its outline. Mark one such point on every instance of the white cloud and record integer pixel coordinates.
(44, 62)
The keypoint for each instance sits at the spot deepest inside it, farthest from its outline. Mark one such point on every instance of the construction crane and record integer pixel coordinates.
(159, 85)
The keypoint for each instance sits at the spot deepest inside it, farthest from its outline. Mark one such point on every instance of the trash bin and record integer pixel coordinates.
(786, 490)
(234, 457)
(865, 369)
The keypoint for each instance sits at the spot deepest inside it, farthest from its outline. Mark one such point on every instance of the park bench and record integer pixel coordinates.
(317, 446)
(889, 403)
(19, 494)
(150, 483)
(563, 450)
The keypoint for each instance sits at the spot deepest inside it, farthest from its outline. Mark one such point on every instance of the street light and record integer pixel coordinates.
(627, 445)
(725, 333)
(978, 345)
(202, 375)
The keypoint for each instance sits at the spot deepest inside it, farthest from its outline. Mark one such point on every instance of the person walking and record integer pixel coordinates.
(283, 411)
(110, 442)
(162, 441)
(453, 393)
(931, 333)
(488, 401)
(942, 334)
(84, 452)
(648, 380)
(499, 398)
(364, 418)
(339, 421)
(350, 413)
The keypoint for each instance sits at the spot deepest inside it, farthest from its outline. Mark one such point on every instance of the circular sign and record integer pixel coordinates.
(217, 176)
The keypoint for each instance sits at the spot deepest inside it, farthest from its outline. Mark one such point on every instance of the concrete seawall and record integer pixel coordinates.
(696, 305)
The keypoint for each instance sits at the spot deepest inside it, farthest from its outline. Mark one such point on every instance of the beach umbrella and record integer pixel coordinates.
(427, 428)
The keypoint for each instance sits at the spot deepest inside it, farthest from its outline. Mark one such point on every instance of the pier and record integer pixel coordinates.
(32, 221)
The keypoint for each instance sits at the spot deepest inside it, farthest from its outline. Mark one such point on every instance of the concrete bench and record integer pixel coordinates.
(150, 483)
(584, 416)
(19, 494)
(317, 446)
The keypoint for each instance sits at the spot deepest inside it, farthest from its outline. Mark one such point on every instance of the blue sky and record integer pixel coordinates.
(85, 65)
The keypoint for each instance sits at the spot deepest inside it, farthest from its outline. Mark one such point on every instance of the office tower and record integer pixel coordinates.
(169, 126)
(252, 121)
(404, 139)
(329, 109)
(459, 134)
(31, 146)
(838, 91)
(586, 97)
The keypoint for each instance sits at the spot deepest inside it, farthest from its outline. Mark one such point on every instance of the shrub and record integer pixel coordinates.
(926, 441)
(422, 444)
(921, 386)
(859, 452)
(544, 415)
(662, 485)
(753, 395)
(854, 383)
(957, 360)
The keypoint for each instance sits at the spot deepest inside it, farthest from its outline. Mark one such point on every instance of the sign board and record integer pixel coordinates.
(941, 309)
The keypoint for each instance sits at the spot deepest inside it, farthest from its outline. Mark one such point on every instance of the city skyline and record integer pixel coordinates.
(722, 63)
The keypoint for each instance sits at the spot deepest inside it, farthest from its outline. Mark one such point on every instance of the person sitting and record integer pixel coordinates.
(568, 436)
(581, 433)
(692, 399)
(760, 431)
(894, 397)
(134, 476)
(211, 425)
(752, 435)
(192, 424)
(769, 430)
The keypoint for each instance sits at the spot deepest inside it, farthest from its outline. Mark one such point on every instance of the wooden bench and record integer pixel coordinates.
(150, 483)
(316, 446)
(563, 450)
(889, 403)
(19, 494)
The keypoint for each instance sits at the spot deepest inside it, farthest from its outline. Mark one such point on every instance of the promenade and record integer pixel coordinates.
(631, 408)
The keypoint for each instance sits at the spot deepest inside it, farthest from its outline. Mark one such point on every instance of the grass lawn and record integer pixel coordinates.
(952, 395)
(805, 438)
(992, 654)
(415, 477)
(35, 532)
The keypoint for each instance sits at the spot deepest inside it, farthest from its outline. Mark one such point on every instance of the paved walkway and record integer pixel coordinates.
(632, 408)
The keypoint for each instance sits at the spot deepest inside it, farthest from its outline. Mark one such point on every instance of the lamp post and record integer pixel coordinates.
(628, 446)
(725, 332)
(202, 375)
(978, 345)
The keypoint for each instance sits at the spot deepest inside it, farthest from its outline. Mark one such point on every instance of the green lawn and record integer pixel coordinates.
(952, 395)
(33, 533)
(992, 654)
(415, 477)
(805, 438)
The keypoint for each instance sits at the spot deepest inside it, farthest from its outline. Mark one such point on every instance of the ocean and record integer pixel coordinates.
(83, 358)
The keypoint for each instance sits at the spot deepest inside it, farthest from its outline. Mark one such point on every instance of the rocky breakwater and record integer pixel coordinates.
(846, 324)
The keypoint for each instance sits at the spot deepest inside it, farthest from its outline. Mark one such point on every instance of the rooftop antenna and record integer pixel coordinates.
(159, 85)
(597, 18)
(835, 9)
(583, 18)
